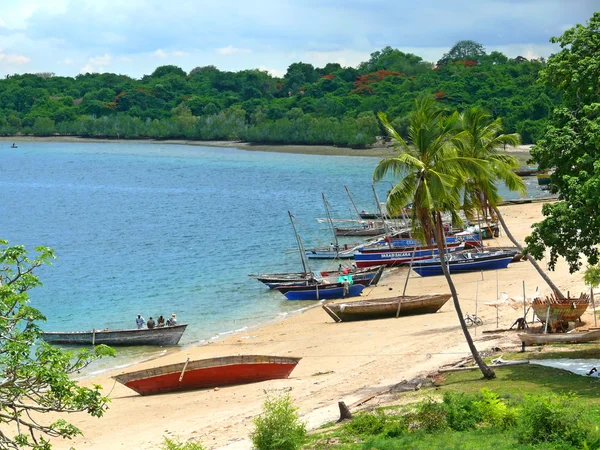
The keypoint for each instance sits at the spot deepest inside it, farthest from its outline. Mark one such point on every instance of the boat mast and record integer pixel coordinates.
(305, 264)
(337, 244)
(352, 200)
(385, 225)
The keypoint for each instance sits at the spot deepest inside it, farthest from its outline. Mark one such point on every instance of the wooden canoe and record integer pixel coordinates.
(144, 336)
(559, 338)
(560, 311)
(386, 307)
(208, 373)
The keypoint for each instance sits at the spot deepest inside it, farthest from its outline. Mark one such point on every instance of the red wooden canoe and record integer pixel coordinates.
(208, 373)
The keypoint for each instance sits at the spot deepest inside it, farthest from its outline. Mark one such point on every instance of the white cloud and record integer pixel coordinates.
(231, 50)
(160, 53)
(97, 64)
(273, 72)
(8, 58)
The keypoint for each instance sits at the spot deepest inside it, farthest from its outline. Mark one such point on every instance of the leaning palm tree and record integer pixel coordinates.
(481, 139)
(431, 175)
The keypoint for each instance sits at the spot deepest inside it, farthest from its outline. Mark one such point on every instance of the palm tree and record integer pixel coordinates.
(481, 139)
(431, 174)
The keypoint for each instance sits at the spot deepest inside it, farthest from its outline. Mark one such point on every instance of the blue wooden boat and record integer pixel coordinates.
(464, 262)
(367, 277)
(397, 256)
(324, 292)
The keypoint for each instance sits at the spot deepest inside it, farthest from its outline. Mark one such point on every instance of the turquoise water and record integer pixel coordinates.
(160, 229)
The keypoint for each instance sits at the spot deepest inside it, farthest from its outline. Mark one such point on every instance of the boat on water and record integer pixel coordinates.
(560, 338)
(322, 292)
(208, 373)
(366, 230)
(169, 335)
(558, 312)
(543, 179)
(525, 171)
(386, 307)
(466, 261)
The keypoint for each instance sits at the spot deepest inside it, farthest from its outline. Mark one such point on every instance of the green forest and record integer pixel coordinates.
(331, 105)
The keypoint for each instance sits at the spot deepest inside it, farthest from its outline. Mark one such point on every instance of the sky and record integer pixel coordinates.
(133, 37)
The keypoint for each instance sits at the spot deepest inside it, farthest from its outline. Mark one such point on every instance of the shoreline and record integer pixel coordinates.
(522, 152)
(341, 361)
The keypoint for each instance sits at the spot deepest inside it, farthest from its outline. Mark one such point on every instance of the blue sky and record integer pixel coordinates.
(133, 37)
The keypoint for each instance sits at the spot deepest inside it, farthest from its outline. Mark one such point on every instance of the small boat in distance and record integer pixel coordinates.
(208, 373)
(321, 292)
(13, 146)
(525, 171)
(543, 179)
(169, 335)
(386, 307)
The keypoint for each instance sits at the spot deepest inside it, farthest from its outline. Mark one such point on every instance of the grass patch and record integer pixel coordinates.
(525, 407)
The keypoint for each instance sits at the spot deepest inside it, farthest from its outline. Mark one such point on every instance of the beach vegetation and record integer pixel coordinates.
(279, 426)
(174, 444)
(34, 376)
(525, 407)
(431, 174)
(569, 146)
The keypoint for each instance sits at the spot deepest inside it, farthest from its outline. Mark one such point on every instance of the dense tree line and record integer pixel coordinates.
(329, 105)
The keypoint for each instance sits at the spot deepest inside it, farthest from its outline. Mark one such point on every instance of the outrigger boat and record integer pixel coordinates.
(464, 262)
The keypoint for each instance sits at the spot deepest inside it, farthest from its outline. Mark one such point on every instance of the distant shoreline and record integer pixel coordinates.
(522, 152)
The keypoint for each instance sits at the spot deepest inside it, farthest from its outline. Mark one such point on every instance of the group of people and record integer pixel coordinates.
(160, 322)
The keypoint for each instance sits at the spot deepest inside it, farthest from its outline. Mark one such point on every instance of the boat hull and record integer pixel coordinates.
(426, 269)
(391, 258)
(208, 373)
(324, 293)
(561, 311)
(145, 336)
(385, 308)
(359, 231)
(560, 338)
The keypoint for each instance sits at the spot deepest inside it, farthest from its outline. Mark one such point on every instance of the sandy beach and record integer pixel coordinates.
(341, 361)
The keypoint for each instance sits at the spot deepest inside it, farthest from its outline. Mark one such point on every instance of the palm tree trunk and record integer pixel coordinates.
(487, 372)
(532, 260)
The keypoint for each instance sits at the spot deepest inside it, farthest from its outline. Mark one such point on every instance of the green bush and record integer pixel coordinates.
(430, 416)
(493, 411)
(552, 418)
(170, 444)
(279, 426)
(367, 424)
(461, 412)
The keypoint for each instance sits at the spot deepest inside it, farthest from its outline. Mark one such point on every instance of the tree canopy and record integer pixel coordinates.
(571, 146)
(34, 376)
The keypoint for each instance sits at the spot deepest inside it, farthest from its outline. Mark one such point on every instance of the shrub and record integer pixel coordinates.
(461, 413)
(491, 410)
(367, 423)
(279, 426)
(170, 444)
(430, 416)
(552, 418)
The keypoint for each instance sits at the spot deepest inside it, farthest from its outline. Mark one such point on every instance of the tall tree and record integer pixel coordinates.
(571, 227)
(482, 139)
(466, 49)
(431, 174)
(34, 376)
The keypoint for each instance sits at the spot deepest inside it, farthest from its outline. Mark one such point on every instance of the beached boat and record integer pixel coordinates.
(386, 307)
(208, 373)
(366, 277)
(322, 292)
(397, 256)
(560, 338)
(464, 262)
(331, 252)
(272, 280)
(560, 311)
(145, 336)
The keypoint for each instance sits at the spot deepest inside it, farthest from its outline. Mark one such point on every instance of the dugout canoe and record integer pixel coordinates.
(208, 373)
(560, 338)
(386, 307)
(145, 336)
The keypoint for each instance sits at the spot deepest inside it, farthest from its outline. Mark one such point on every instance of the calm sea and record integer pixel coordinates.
(160, 229)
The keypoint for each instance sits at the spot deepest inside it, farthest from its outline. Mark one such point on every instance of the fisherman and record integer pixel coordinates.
(172, 321)
(150, 324)
(139, 321)
(161, 321)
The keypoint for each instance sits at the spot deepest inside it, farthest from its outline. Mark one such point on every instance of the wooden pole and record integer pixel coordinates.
(593, 305)
(547, 319)
(412, 258)
(524, 306)
(183, 370)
